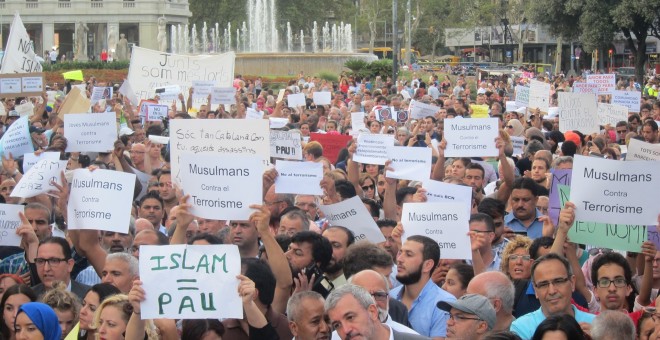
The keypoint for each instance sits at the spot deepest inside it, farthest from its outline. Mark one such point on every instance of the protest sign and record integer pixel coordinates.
(522, 96)
(642, 151)
(446, 223)
(630, 99)
(285, 145)
(559, 177)
(190, 282)
(19, 56)
(202, 88)
(101, 200)
(223, 95)
(126, 90)
(95, 132)
(410, 163)
(479, 111)
(296, 100)
(218, 137)
(518, 145)
(75, 102)
(511, 106)
(402, 116)
(38, 179)
(156, 112)
(16, 140)
(384, 113)
(277, 122)
(357, 122)
(653, 235)
(331, 144)
(143, 178)
(585, 88)
(254, 114)
(539, 95)
(611, 191)
(606, 82)
(3, 112)
(611, 114)
(372, 148)
(74, 75)
(280, 95)
(25, 109)
(168, 92)
(322, 98)
(352, 214)
(437, 191)
(301, 178)
(30, 159)
(578, 111)
(222, 187)
(419, 110)
(21, 84)
(100, 93)
(9, 222)
(615, 236)
(474, 137)
(164, 140)
(150, 69)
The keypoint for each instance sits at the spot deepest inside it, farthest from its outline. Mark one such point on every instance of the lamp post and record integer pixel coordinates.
(395, 43)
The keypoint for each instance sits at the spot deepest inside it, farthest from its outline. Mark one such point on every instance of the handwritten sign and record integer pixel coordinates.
(332, 144)
(642, 151)
(38, 179)
(322, 98)
(16, 140)
(21, 84)
(474, 137)
(579, 87)
(653, 235)
(190, 281)
(578, 111)
(9, 222)
(156, 112)
(30, 159)
(410, 163)
(559, 177)
(94, 132)
(606, 82)
(611, 191)
(168, 92)
(522, 96)
(223, 95)
(630, 99)
(372, 148)
(101, 200)
(285, 145)
(539, 95)
(446, 223)
(302, 178)
(222, 187)
(419, 110)
(611, 113)
(352, 214)
(218, 137)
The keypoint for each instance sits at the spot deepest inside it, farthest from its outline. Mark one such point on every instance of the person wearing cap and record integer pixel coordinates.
(12, 116)
(470, 317)
(39, 140)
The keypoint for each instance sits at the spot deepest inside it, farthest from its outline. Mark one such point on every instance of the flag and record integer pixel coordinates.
(19, 53)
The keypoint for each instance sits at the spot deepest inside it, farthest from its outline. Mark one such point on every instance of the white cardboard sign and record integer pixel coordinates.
(156, 112)
(419, 110)
(9, 222)
(37, 180)
(352, 214)
(16, 140)
(100, 93)
(101, 200)
(202, 88)
(611, 114)
(446, 223)
(437, 191)
(606, 82)
(518, 145)
(522, 96)
(285, 145)
(301, 178)
(30, 159)
(190, 282)
(630, 99)
(611, 191)
(578, 111)
(222, 187)
(539, 95)
(642, 151)
(372, 148)
(474, 137)
(410, 163)
(19, 53)
(357, 122)
(90, 132)
(322, 98)
(585, 88)
(223, 95)
(296, 100)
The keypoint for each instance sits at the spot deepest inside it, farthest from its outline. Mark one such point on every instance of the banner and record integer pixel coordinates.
(19, 54)
(101, 200)
(190, 282)
(150, 69)
(579, 112)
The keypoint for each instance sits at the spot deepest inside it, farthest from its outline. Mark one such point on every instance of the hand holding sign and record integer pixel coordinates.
(136, 296)
(260, 218)
(29, 239)
(567, 217)
(246, 289)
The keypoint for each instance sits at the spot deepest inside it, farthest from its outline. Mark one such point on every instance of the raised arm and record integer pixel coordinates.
(183, 219)
(507, 175)
(439, 167)
(389, 199)
(353, 169)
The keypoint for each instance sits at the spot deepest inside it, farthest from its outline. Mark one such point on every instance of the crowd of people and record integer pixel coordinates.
(304, 278)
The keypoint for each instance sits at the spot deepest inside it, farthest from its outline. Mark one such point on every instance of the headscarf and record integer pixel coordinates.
(44, 318)
(518, 129)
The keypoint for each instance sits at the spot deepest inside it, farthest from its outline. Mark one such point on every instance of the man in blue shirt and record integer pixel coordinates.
(524, 217)
(418, 257)
(554, 283)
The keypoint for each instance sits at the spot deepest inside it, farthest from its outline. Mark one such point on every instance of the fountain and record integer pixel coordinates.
(257, 43)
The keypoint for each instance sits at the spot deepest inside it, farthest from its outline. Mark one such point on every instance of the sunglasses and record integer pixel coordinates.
(368, 187)
(509, 126)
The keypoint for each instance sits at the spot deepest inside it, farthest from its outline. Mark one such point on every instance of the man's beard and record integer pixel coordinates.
(410, 278)
(334, 267)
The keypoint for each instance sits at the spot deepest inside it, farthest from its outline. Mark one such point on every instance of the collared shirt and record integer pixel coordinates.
(279, 322)
(526, 325)
(499, 248)
(393, 325)
(534, 230)
(88, 276)
(339, 281)
(494, 265)
(14, 264)
(424, 316)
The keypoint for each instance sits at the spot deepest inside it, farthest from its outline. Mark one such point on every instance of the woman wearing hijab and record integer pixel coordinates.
(36, 321)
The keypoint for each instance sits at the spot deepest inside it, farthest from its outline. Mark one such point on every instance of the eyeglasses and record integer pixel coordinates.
(619, 282)
(596, 251)
(51, 261)
(460, 317)
(380, 296)
(368, 187)
(556, 282)
(516, 257)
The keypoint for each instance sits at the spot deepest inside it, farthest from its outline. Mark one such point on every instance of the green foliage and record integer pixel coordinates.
(382, 67)
(329, 76)
(79, 65)
(356, 65)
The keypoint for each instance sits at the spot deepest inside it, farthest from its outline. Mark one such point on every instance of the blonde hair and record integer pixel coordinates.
(62, 300)
(120, 301)
(517, 242)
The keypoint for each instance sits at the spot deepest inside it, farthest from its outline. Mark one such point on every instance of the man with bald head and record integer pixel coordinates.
(143, 224)
(377, 285)
(137, 155)
(500, 291)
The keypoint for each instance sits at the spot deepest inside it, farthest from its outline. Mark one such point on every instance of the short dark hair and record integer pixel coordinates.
(430, 249)
(492, 207)
(652, 124)
(481, 217)
(477, 166)
(62, 242)
(401, 194)
(543, 241)
(211, 239)
(196, 328)
(568, 148)
(345, 189)
(349, 233)
(103, 290)
(465, 273)
(321, 247)
(550, 257)
(611, 258)
(151, 195)
(264, 280)
(386, 223)
(527, 183)
(365, 255)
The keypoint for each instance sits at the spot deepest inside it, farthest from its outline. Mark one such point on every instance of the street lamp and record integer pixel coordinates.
(395, 55)
(395, 44)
